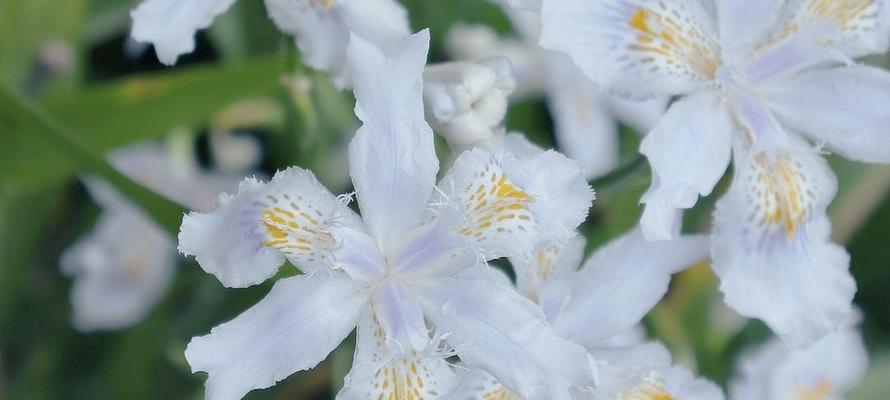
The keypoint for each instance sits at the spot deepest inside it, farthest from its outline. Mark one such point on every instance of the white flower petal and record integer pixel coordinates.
(374, 375)
(771, 245)
(170, 25)
(844, 107)
(300, 321)
(856, 27)
(583, 124)
(689, 151)
(476, 384)
(321, 28)
(467, 100)
(392, 158)
(550, 263)
(638, 48)
(492, 327)
(645, 372)
(246, 238)
(175, 178)
(828, 369)
(478, 42)
(642, 116)
(744, 25)
(121, 268)
(512, 204)
(621, 282)
(398, 313)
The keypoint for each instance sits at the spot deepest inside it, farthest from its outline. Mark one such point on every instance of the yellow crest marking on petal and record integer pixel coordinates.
(494, 201)
(325, 4)
(819, 391)
(851, 17)
(663, 36)
(294, 231)
(782, 195)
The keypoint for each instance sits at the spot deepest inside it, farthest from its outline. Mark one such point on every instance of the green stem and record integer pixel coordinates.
(618, 174)
(17, 108)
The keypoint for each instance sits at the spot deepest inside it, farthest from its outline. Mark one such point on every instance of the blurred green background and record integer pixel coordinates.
(74, 89)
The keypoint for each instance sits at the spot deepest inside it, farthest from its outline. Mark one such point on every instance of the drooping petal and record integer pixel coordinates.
(510, 204)
(621, 282)
(376, 375)
(842, 107)
(170, 25)
(689, 151)
(828, 369)
(492, 327)
(640, 49)
(856, 27)
(300, 321)
(392, 159)
(583, 124)
(121, 268)
(467, 100)
(321, 28)
(247, 237)
(771, 245)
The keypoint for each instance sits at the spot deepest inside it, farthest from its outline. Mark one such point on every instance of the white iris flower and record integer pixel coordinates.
(117, 282)
(760, 78)
(584, 117)
(409, 272)
(600, 305)
(320, 28)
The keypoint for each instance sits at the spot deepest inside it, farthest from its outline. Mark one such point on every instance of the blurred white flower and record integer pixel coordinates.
(466, 101)
(124, 266)
(320, 28)
(600, 305)
(827, 370)
(585, 118)
(759, 77)
(405, 271)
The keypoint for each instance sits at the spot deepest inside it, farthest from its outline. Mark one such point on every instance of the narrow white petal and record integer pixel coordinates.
(621, 282)
(689, 151)
(771, 245)
(638, 48)
(492, 327)
(293, 328)
(392, 158)
(376, 375)
(399, 314)
(321, 28)
(846, 108)
(170, 25)
(584, 127)
(247, 237)
(642, 116)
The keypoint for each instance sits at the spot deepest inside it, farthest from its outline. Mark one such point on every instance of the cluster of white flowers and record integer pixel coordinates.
(765, 83)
